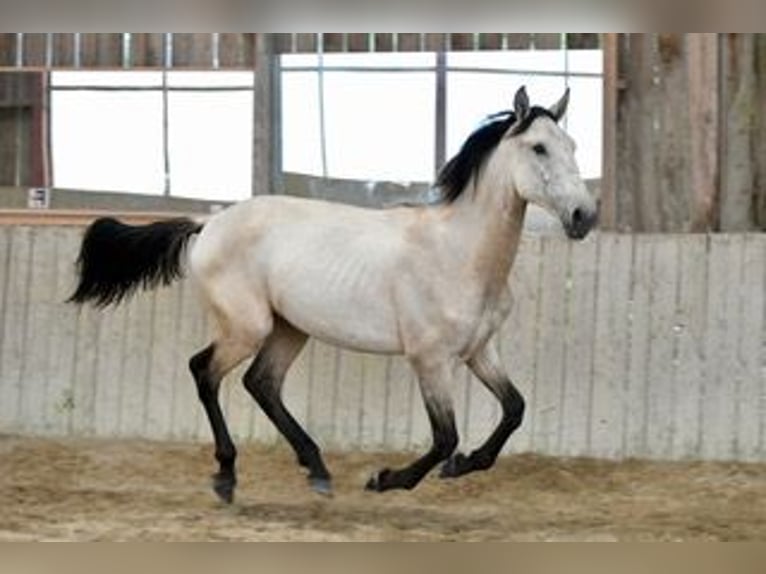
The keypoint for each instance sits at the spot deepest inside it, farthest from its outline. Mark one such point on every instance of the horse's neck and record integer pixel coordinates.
(488, 224)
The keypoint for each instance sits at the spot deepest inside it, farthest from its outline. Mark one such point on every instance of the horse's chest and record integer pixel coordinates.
(484, 323)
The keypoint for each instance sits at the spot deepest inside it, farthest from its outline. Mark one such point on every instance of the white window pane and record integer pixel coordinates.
(107, 79)
(474, 96)
(301, 141)
(107, 141)
(586, 61)
(511, 60)
(216, 79)
(380, 126)
(210, 141)
(584, 123)
(288, 61)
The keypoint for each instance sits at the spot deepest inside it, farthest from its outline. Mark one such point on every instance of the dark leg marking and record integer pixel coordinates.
(264, 383)
(485, 456)
(445, 441)
(225, 480)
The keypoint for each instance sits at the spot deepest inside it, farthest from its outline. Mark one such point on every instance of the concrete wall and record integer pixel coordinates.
(647, 346)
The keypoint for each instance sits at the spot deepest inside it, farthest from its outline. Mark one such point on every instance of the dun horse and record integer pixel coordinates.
(429, 282)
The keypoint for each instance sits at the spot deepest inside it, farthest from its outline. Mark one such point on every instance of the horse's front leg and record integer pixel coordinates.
(486, 365)
(433, 376)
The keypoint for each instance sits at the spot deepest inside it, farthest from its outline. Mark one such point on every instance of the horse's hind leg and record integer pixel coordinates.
(486, 366)
(432, 376)
(264, 381)
(208, 367)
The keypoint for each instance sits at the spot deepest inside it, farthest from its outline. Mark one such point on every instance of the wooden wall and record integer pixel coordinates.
(624, 346)
(237, 51)
(685, 128)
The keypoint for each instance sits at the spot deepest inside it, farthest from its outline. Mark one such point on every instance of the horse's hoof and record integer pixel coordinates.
(455, 466)
(223, 485)
(321, 486)
(379, 482)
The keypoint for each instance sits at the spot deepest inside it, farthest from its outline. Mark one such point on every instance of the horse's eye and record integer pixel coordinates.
(540, 149)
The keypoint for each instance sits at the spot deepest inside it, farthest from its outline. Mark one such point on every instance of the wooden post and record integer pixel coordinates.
(738, 101)
(440, 145)
(666, 168)
(267, 145)
(702, 63)
(608, 210)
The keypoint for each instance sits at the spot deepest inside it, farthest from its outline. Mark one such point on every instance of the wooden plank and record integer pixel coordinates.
(490, 41)
(187, 409)
(420, 435)
(7, 50)
(384, 42)
(704, 145)
(15, 327)
(283, 43)
(237, 51)
(358, 42)
(59, 405)
(373, 403)
(436, 42)
(517, 41)
(409, 42)
(583, 41)
(108, 390)
(518, 342)
(460, 41)
(347, 413)
(547, 41)
(551, 325)
(192, 51)
(6, 246)
(582, 282)
(402, 393)
(147, 50)
(635, 412)
(691, 319)
(136, 358)
(751, 398)
(607, 393)
(334, 42)
(165, 362)
(324, 366)
(608, 208)
(63, 50)
(719, 403)
(307, 43)
(34, 49)
(663, 340)
(101, 50)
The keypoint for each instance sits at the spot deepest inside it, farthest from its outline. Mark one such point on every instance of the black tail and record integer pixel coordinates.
(116, 259)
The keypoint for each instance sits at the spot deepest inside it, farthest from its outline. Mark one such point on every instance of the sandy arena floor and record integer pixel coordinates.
(127, 490)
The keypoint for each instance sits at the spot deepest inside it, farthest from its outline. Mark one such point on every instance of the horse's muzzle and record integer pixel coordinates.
(579, 222)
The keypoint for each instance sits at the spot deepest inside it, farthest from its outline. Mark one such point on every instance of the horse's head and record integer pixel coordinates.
(543, 167)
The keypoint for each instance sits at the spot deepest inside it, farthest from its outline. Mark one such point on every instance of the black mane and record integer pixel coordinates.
(457, 173)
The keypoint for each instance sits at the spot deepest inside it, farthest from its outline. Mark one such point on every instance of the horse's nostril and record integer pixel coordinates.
(578, 217)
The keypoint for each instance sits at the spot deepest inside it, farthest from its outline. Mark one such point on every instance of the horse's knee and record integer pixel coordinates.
(513, 409)
(259, 379)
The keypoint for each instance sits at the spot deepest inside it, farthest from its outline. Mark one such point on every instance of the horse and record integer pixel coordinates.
(429, 282)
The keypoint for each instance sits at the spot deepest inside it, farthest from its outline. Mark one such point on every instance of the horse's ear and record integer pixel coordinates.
(521, 109)
(560, 108)
(521, 104)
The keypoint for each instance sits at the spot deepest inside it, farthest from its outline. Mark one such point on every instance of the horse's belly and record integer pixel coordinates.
(366, 326)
